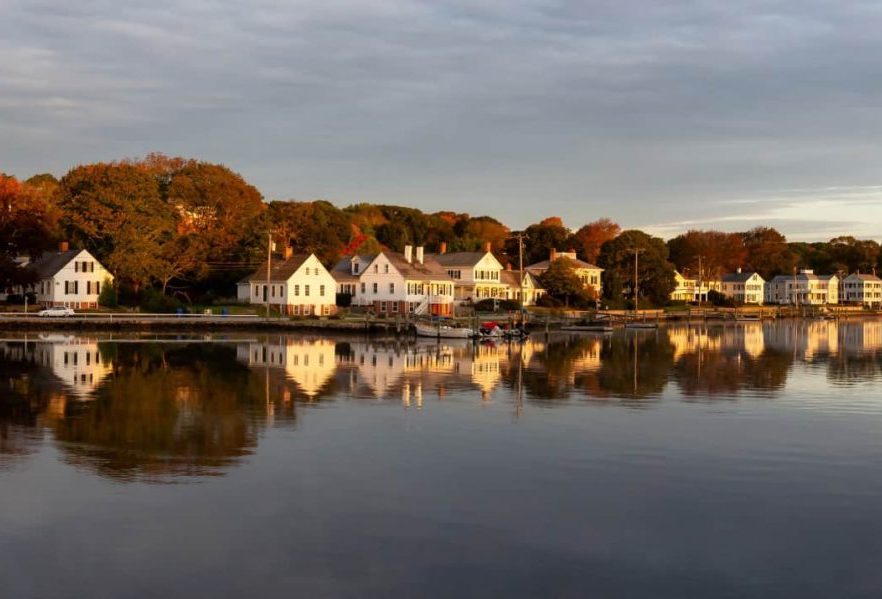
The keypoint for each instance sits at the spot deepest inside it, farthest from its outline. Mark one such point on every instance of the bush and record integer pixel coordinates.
(547, 301)
(155, 301)
(718, 299)
(491, 305)
(108, 297)
(344, 300)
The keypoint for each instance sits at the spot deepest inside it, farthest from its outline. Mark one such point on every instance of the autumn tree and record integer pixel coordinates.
(540, 239)
(562, 282)
(715, 251)
(655, 276)
(591, 237)
(768, 252)
(116, 212)
(312, 227)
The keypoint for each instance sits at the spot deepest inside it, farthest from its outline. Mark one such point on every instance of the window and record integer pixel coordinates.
(394, 307)
(88, 287)
(296, 289)
(355, 268)
(364, 288)
(273, 291)
(382, 306)
(256, 290)
(306, 290)
(76, 267)
(376, 288)
(97, 286)
(376, 268)
(391, 287)
(322, 290)
(386, 268)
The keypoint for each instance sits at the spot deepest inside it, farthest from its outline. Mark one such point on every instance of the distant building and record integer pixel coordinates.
(743, 287)
(476, 275)
(527, 289)
(393, 283)
(298, 285)
(72, 278)
(864, 289)
(804, 288)
(589, 274)
(690, 290)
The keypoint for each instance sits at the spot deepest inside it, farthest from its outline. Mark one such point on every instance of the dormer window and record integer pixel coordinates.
(355, 268)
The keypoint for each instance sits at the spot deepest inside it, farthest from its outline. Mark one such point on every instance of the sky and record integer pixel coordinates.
(662, 115)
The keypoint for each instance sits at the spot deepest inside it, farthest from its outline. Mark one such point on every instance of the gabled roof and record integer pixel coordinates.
(864, 277)
(738, 277)
(342, 271)
(280, 270)
(429, 268)
(546, 263)
(50, 263)
(512, 278)
(460, 258)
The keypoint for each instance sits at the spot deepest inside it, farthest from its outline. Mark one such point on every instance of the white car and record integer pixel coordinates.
(56, 311)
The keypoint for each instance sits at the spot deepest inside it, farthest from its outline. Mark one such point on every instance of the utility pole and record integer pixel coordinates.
(637, 252)
(699, 282)
(269, 259)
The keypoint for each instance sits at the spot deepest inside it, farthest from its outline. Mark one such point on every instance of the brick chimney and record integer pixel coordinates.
(508, 266)
(487, 246)
(63, 246)
(553, 255)
(443, 249)
(408, 253)
(419, 254)
(289, 251)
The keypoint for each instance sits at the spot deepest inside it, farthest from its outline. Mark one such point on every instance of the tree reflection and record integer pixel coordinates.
(190, 410)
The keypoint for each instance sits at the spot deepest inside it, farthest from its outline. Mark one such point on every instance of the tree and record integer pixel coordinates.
(716, 252)
(116, 212)
(562, 282)
(655, 278)
(28, 222)
(312, 227)
(768, 252)
(592, 236)
(541, 238)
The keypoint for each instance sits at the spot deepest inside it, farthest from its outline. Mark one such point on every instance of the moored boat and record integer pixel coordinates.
(443, 331)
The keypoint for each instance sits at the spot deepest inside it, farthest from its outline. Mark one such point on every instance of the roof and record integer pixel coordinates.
(864, 277)
(459, 258)
(280, 270)
(513, 278)
(342, 271)
(429, 268)
(738, 277)
(50, 263)
(546, 263)
(801, 277)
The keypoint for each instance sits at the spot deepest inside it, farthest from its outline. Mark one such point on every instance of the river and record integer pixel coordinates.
(739, 460)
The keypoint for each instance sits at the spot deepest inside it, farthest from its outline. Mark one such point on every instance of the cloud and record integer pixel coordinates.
(641, 110)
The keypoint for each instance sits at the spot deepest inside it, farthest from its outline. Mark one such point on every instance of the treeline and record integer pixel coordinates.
(191, 228)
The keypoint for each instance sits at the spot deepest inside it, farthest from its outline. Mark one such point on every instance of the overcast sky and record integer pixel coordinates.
(662, 115)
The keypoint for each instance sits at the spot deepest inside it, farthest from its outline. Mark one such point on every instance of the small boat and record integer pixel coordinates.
(748, 317)
(589, 326)
(641, 325)
(442, 331)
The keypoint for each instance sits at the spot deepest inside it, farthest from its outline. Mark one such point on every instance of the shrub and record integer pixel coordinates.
(108, 297)
(155, 301)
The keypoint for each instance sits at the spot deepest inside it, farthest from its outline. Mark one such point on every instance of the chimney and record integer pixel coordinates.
(738, 270)
(63, 246)
(408, 253)
(289, 251)
(419, 254)
(486, 246)
(553, 256)
(508, 266)
(443, 249)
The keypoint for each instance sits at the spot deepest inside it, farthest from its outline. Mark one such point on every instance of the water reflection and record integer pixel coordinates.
(134, 409)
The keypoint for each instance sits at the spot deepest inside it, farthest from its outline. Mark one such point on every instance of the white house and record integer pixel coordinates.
(476, 275)
(392, 283)
(589, 274)
(804, 288)
(688, 289)
(860, 288)
(524, 288)
(743, 287)
(298, 285)
(72, 278)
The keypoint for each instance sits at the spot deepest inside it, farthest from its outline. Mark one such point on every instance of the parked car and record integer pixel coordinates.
(56, 311)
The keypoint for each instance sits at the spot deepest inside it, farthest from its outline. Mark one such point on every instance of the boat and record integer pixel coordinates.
(492, 330)
(442, 331)
(589, 326)
(748, 317)
(641, 325)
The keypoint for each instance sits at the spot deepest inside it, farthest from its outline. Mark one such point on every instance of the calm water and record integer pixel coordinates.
(736, 461)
